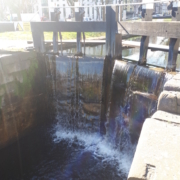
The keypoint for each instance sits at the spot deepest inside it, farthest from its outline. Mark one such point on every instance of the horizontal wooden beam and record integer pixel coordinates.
(74, 41)
(162, 17)
(6, 27)
(152, 47)
(145, 28)
(69, 26)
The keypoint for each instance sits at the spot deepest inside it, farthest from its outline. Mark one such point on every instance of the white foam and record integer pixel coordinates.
(98, 146)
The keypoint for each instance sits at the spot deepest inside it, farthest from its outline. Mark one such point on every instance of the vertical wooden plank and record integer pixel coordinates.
(108, 30)
(143, 50)
(78, 37)
(55, 42)
(174, 43)
(175, 11)
(60, 36)
(38, 41)
(111, 30)
(84, 38)
(79, 51)
(178, 14)
(117, 13)
(120, 13)
(118, 46)
(106, 84)
(118, 37)
(104, 13)
(173, 53)
(146, 16)
(119, 10)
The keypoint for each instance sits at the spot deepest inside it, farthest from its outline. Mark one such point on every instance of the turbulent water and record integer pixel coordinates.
(77, 88)
(95, 157)
(78, 97)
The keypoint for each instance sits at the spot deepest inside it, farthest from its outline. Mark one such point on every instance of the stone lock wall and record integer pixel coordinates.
(157, 155)
(23, 95)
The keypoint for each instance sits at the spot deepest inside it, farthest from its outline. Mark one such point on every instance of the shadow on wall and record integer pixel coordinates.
(23, 95)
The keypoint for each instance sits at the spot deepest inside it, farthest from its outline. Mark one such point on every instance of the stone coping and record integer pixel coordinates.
(157, 155)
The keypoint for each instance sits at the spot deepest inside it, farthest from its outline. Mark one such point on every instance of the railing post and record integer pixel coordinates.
(60, 36)
(143, 50)
(117, 13)
(79, 17)
(173, 53)
(104, 13)
(84, 38)
(147, 11)
(118, 46)
(119, 10)
(174, 43)
(105, 95)
(118, 36)
(79, 50)
(38, 40)
(55, 42)
(111, 30)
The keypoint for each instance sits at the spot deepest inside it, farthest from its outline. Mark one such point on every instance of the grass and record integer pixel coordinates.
(25, 35)
(164, 20)
(167, 20)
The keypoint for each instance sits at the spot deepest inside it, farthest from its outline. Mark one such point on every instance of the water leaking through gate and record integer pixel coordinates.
(78, 102)
(132, 98)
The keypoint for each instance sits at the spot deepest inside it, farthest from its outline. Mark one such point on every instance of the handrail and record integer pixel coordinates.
(106, 5)
(96, 26)
(150, 28)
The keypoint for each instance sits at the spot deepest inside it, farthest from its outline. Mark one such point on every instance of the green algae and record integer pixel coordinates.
(28, 77)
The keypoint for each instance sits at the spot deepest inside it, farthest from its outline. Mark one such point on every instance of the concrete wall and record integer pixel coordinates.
(157, 155)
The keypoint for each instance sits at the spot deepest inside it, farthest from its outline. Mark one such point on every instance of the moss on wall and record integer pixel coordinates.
(28, 77)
